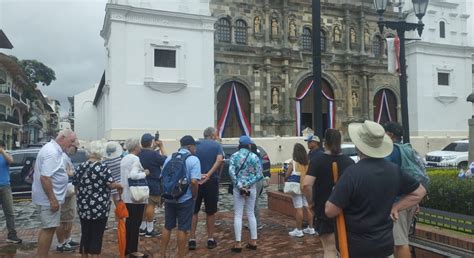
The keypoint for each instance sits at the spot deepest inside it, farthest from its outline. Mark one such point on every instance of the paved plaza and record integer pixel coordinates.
(273, 238)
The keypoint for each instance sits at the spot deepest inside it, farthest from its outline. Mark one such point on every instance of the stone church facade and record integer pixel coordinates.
(264, 49)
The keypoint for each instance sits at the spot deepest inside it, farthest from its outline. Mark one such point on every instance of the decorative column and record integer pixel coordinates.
(257, 103)
(362, 32)
(286, 89)
(347, 29)
(284, 23)
(365, 96)
(267, 25)
(268, 86)
(349, 96)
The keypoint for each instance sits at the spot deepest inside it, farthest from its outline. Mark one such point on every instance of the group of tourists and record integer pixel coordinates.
(376, 197)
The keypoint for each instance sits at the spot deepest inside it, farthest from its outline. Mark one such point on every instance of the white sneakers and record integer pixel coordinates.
(296, 233)
(300, 233)
(309, 231)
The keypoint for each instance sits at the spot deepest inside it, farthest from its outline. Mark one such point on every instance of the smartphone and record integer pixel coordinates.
(157, 136)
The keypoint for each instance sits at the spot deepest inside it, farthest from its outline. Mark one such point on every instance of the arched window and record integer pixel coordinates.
(223, 30)
(442, 29)
(240, 32)
(307, 40)
(377, 46)
(323, 41)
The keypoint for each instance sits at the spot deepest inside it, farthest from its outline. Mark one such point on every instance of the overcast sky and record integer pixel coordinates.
(64, 35)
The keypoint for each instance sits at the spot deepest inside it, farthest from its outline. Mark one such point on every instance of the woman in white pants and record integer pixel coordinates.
(244, 170)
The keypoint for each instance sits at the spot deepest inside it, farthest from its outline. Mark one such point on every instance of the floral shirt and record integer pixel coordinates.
(93, 194)
(250, 172)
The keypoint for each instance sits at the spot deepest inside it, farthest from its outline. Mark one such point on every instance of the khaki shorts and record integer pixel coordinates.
(402, 226)
(48, 218)
(68, 209)
(155, 200)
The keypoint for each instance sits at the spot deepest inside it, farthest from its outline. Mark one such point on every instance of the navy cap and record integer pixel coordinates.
(187, 140)
(147, 138)
(245, 140)
(312, 138)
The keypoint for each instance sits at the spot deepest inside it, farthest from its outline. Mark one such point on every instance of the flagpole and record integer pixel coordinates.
(317, 94)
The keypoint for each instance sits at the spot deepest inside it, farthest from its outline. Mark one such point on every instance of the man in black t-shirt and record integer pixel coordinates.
(314, 146)
(366, 193)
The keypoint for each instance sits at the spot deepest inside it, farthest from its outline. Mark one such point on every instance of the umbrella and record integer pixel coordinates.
(340, 222)
(121, 213)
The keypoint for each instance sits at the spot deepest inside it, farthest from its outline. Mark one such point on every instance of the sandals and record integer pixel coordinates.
(251, 247)
(239, 249)
(236, 249)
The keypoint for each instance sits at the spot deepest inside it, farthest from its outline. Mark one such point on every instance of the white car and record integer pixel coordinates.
(453, 155)
(350, 150)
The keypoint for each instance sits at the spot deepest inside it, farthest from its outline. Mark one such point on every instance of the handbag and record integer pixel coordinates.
(230, 189)
(292, 185)
(139, 190)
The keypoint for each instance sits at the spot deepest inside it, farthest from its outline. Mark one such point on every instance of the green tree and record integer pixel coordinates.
(36, 72)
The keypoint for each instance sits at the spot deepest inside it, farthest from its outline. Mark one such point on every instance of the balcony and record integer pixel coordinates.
(9, 119)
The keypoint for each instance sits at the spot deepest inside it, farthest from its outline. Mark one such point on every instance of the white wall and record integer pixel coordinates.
(85, 115)
(128, 106)
(181, 6)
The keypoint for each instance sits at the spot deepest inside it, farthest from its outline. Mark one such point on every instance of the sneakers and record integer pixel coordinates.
(296, 233)
(211, 244)
(309, 231)
(192, 244)
(14, 240)
(64, 248)
(260, 226)
(153, 233)
(72, 243)
(142, 232)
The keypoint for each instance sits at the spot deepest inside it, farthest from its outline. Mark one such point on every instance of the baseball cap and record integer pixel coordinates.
(244, 139)
(187, 140)
(147, 138)
(312, 138)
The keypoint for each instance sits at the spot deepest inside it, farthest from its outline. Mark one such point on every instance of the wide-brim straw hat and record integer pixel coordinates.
(113, 150)
(370, 138)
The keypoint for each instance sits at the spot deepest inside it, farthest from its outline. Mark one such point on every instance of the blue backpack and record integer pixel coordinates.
(412, 164)
(174, 177)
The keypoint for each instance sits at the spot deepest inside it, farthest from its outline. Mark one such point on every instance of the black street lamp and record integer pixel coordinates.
(401, 27)
(317, 87)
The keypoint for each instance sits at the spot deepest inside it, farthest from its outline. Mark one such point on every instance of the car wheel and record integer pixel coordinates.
(462, 165)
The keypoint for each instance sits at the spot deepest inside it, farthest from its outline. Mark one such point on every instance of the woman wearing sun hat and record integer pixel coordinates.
(112, 158)
(367, 190)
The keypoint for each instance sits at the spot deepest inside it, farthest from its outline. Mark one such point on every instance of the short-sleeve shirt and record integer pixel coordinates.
(321, 169)
(193, 172)
(4, 173)
(313, 154)
(207, 152)
(366, 192)
(50, 163)
(93, 194)
(152, 160)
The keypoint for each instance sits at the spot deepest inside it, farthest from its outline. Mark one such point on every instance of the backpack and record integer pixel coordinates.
(412, 163)
(174, 177)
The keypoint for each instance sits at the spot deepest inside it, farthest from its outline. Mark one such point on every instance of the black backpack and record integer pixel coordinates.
(174, 177)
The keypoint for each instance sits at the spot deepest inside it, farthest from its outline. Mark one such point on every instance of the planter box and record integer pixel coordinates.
(282, 203)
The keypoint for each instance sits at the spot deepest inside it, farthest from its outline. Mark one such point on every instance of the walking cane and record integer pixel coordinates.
(340, 222)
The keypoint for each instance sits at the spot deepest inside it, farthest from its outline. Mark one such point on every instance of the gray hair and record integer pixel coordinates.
(132, 143)
(65, 133)
(96, 149)
(208, 132)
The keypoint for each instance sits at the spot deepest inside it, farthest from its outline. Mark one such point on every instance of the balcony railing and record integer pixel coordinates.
(10, 119)
(5, 90)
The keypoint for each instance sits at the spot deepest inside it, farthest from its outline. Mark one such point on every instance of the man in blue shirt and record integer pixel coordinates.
(210, 155)
(6, 194)
(182, 210)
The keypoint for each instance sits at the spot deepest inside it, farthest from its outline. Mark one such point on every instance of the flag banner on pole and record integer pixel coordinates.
(233, 100)
(300, 97)
(393, 55)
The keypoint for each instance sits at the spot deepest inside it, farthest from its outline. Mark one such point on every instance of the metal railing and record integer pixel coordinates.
(445, 219)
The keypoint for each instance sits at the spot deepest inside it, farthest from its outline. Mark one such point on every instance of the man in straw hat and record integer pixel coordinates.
(367, 190)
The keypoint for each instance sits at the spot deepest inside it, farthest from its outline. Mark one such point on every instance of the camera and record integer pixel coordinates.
(244, 192)
(157, 136)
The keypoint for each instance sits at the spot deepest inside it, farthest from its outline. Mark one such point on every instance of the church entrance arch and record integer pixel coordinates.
(385, 106)
(305, 106)
(233, 110)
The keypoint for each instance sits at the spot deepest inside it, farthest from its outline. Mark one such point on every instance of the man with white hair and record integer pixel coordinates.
(367, 190)
(49, 186)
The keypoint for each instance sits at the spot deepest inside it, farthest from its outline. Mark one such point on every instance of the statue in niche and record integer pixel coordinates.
(274, 27)
(292, 28)
(275, 96)
(366, 38)
(256, 24)
(337, 34)
(353, 36)
(355, 99)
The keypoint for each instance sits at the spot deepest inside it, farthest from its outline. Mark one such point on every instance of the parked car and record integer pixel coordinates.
(453, 155)
(230, 149)
(23, 164)
(349, 149)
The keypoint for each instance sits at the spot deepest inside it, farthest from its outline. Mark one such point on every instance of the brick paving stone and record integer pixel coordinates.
(273, 240)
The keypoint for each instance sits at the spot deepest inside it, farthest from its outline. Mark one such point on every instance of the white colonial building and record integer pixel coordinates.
(440, 70)
(159, 74)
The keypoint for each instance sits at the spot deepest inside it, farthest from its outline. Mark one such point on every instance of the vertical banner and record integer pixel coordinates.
(233, 100)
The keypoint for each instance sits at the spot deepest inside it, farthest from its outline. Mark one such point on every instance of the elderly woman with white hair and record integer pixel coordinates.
(112, 158)
(131, 170)
(93, 182)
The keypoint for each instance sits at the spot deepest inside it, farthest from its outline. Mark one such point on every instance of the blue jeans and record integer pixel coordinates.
(6, 200)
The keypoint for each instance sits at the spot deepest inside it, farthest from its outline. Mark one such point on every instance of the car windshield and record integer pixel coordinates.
(349, 151)
(457, 146)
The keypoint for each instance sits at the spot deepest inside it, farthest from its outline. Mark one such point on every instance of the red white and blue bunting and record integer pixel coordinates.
(233, 100)
(383, 104)
(331, 108)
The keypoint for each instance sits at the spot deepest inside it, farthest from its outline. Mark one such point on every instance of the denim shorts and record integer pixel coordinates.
(182, 212)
